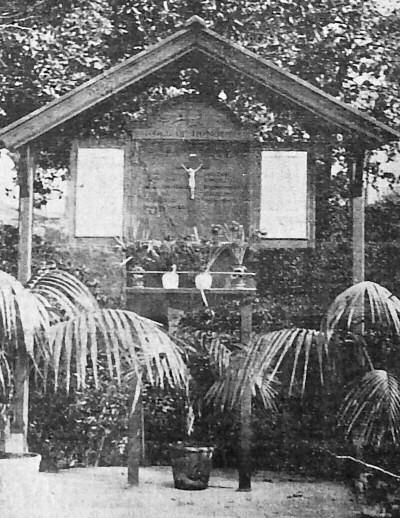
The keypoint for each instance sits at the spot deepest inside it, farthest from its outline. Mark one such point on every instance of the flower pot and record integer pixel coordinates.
(137, 278)
(238, 277)
(19, 474)
(191, 466)
(203, 281)
(170, 280)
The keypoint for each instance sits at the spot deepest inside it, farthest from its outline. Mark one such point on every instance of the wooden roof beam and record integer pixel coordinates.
(98, 89)
(294, 89)
(193, 40)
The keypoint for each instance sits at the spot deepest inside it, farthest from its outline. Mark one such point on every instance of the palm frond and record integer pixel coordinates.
(224, 392)
(266, 355)
(23, 318)
(133, 344)
(257, 366)
(363, 304)
(372, 407)
(219, 354)
(5, 372)
(62, 293)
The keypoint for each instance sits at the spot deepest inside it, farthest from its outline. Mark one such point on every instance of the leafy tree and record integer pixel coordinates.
(49, 47)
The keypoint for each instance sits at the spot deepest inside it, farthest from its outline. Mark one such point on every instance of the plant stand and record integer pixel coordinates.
(145, 300)
(245, 465)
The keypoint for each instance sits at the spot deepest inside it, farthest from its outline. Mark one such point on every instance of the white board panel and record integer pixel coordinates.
(99, 192)
(283, 209)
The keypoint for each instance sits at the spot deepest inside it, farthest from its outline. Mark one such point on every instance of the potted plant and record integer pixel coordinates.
(56, 323)
(371, 406)
(238, 244)
(191, 458)
(140, 255)
(173, 255)
(191, 463)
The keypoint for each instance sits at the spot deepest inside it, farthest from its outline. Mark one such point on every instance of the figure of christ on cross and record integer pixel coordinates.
(191, 171)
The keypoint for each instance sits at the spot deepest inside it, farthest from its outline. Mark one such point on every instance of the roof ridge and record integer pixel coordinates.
(195, 20)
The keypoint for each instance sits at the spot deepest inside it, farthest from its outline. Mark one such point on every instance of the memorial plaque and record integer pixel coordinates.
(99, 192)
(194, 158)
(192, 165)
(284, 200)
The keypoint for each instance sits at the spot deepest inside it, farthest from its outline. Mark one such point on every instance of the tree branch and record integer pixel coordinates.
(362, 463)
(14, 26)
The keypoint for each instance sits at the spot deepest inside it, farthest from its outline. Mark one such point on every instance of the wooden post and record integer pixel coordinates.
(134, 443)
(19, 424)
(26, 172)
(358, 216)
(245, 464)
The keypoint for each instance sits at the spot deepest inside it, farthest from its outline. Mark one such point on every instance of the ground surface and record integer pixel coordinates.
(103, 493)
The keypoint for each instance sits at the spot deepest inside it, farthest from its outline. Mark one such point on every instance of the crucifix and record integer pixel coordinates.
(191, 171)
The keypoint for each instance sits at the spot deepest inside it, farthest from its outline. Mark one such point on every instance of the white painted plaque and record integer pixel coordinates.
(283, 209)
(99, 192)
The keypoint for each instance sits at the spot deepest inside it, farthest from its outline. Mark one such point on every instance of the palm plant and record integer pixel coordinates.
(371, 407)
(365, 318)
(57, 323)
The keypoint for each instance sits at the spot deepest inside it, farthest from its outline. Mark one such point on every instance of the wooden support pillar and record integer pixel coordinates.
(358, 215)
(26, 173)
(134, 442)
(19, 425)
(245, 463)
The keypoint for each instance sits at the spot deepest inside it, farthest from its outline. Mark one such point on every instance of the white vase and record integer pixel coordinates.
(203, 281)
(170, 280)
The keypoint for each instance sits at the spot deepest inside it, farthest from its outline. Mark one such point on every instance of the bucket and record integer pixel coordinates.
(191, 466)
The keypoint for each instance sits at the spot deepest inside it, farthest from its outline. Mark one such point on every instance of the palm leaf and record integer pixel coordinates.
(23, 318)
(363, 304)
(258, 364)
(5, 372)
(372, 407)
(132, 343)
(267, 354)
(224, 390)
(218, 353)
(65, 294)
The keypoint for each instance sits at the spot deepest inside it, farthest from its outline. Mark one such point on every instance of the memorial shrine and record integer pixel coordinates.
(192, 163)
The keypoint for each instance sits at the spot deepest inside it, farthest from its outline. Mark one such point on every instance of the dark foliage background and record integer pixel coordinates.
(294, 288)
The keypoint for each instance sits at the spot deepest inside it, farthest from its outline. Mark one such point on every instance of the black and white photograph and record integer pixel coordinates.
(199, 258)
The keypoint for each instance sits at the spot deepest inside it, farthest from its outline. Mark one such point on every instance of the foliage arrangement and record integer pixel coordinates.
(59, 317)
(57, 323)
(190, 253)
(294, 287)
(185, 252)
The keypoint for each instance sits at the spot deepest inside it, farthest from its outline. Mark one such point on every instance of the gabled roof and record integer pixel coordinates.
(196, 38)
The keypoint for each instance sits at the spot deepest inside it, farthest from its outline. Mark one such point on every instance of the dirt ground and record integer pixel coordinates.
(103, 493)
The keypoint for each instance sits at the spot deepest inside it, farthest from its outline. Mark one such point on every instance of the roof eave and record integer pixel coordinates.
(98, 89)
(196, 37)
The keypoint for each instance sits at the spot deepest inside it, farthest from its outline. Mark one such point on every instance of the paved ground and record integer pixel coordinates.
(103, 493)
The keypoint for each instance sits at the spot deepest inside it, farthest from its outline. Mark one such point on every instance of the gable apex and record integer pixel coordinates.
(195, 21)
(196, 38)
